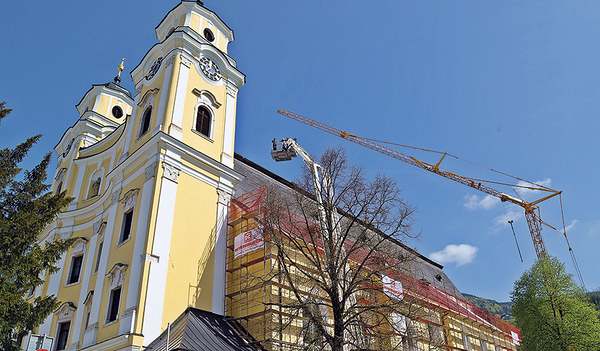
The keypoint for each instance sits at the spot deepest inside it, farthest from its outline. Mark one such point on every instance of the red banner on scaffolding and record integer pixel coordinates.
(248, 242)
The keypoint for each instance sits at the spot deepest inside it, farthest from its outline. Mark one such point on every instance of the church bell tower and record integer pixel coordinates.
(152, 176)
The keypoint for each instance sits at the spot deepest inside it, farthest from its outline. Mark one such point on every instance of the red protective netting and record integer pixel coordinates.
(436, 297)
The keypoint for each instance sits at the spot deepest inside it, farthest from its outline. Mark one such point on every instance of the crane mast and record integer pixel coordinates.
(532, 211)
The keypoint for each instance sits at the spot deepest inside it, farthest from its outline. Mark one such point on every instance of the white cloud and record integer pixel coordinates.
(513, 214)
(459, 254)
(523, 192)
(570, 226)
(473, 202)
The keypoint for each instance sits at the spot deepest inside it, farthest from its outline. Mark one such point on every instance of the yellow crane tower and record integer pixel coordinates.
(532, 210)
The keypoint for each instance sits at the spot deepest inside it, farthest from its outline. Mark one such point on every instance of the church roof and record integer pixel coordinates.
(117, 87)
(198, 330)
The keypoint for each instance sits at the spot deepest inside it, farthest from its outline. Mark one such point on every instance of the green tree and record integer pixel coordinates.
(26, 207)
(552, 311)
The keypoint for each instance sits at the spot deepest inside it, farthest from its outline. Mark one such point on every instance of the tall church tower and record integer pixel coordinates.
(152, 175)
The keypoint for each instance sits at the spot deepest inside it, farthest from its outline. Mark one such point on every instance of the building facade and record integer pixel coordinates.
(152, 173)
(136, 165)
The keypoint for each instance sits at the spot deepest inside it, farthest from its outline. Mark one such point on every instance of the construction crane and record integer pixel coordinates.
(532, 210)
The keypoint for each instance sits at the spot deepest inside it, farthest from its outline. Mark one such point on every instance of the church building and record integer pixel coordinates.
(137, 165)
(152, 173)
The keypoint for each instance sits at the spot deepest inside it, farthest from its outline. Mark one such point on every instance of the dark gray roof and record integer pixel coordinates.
(117, 87)
(198, 330)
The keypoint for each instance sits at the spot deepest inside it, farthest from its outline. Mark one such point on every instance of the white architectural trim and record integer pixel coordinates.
(79, 320)
(229, 132)
(127, 323)
(53, 287)
(218, 294)
(175, 129)
(90, 335)
(157, 279)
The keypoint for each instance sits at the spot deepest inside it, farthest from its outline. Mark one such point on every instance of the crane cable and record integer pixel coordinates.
(538, 186)
(515, 235)
(579, 276)
(542, 187)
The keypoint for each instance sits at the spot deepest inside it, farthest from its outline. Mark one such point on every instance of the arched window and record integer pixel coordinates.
(203, 121)
(145, 121)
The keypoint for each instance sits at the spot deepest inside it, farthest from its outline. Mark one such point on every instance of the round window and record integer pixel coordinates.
(208, 34)
(117, 112)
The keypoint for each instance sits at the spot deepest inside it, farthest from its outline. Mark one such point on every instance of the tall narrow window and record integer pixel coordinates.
(145, 122)
(75, 269)
(113, 306)
(203, 119)
(63, 335)
(98, 256)
(127, 221)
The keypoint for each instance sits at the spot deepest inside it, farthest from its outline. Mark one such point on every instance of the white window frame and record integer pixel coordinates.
(141, 132)
(116, 277)
(89, 299)
(128, 201)
(100, 248)
(65, 313)
(207, 100)
(79, 249)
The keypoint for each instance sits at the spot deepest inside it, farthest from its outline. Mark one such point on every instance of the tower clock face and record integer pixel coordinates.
(154, 68)
(210, 69)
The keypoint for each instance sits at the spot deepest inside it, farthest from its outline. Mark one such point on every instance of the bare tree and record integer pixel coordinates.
(344, 274)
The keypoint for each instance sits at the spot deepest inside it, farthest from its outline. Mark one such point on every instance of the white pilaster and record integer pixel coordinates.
(90, 334)
(229, 132)
(176, 128)
(77, 188)
(218, 296)
(126, 325)
(163, 97)
(157, 280)
(53, 287)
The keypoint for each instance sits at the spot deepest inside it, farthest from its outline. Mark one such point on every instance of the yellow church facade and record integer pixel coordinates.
(136, 166)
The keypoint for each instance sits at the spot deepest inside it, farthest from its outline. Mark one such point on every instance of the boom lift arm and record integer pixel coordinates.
(532, 211)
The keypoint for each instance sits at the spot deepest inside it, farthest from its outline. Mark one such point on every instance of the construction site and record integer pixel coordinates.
(442, 318)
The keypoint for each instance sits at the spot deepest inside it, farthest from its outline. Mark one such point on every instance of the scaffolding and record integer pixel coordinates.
(255, 291)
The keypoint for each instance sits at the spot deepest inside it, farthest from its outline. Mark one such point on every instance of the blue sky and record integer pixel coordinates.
(511, 85)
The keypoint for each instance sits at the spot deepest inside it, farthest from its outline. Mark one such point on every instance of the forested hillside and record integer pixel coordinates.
(500, 309)
(504, 309)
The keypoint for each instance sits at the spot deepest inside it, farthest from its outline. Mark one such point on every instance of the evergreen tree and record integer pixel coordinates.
(26, 207)
(552, 311)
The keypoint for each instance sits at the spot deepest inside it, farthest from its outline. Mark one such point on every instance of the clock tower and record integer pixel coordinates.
(152, 176)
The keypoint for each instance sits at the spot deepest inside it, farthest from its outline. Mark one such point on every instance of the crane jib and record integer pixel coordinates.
(534, 220)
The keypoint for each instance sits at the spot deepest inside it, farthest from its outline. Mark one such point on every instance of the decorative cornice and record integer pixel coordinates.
(186, 61)
(129, 199)
(224, 197)
(117, 275)
(231, 88)
(115, 196)
(89, 299)
(150, 171)
(65, 311)
(170, 172)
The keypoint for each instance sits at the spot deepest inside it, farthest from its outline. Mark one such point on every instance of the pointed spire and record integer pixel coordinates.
(120, 68)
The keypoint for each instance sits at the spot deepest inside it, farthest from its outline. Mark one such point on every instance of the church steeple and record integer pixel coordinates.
(186, 85)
